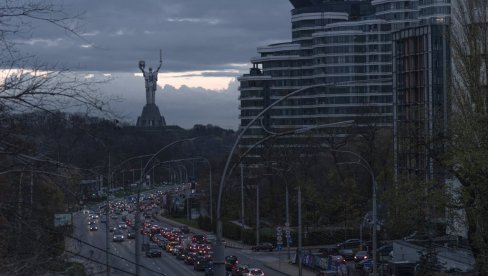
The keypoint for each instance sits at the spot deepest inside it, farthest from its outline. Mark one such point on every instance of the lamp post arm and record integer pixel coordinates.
(360, 164)
(219, 249)
(274, 135)
(365, 164)
(137, 215)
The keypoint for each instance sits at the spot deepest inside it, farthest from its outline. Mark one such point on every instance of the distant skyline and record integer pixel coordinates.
(206, 44)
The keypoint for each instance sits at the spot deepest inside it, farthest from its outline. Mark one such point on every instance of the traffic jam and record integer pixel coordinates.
(190, 248)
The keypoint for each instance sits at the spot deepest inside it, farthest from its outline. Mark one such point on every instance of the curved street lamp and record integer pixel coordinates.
(138, 217)
(219, 250)
(363, 163)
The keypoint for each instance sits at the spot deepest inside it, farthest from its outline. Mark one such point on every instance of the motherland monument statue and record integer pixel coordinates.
(151, 117)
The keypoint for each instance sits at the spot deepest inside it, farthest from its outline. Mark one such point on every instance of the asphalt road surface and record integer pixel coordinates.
(92, 246)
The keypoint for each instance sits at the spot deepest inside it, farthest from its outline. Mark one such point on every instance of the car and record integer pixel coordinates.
(240, 270)
(177, 249)
(112, 229)
(209, 269)
(170, 246)
(91, 222)
(350, 244)
(93, 227)
(266, 246)
(184, 229)
(153, 251)
(181, 255)
(365, 265)
(198, 239)
(118, 236)
(360, 255)
(122, 226)
(255, 272)
(348, 254)
(385, 249)
(131, 234)
(190, 258)
(326, 273)
(200, 263)
(230, 262)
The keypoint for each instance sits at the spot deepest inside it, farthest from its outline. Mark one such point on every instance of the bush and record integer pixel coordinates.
(205, 223)
(231, 230)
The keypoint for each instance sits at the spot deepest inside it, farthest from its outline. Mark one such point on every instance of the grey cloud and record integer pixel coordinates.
(185, 106)
(193, 34)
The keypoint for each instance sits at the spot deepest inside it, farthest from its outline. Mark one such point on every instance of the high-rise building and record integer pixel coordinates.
(421, 69)
(343, 46)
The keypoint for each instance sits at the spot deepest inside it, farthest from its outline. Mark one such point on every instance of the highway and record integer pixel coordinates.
(91, 245)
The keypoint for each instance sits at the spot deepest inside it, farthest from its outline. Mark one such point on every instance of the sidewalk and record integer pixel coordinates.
(288, 269)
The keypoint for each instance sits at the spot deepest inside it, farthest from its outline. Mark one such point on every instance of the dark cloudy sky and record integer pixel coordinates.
(205, 43)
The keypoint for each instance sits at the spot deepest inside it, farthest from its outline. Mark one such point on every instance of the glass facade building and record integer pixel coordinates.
(342, 48)
(421, 72)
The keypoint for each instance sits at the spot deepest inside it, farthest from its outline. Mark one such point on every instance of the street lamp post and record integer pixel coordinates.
(363, 163)
(219, 249)
(242, 199)
(299, 253)
(137, 215)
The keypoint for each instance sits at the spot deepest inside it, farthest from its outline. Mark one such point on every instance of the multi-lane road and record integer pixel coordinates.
(90, 246)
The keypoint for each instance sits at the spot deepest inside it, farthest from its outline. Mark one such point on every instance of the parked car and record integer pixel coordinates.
(153, 251)
(385, 250)
(327, 273)
(360, 255)
(350, 244)
(230, 262)
(365, 265)
(266, 246)
(348, 254)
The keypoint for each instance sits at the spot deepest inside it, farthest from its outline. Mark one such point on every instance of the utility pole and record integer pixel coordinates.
(211, 192)
(287, 219)
(242, 199)
(299, 231)
(375, 223)
(107, 222)
(257, 214)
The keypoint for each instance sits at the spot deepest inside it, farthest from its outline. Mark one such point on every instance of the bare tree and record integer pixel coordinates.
(28, 84)
(468, 148)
